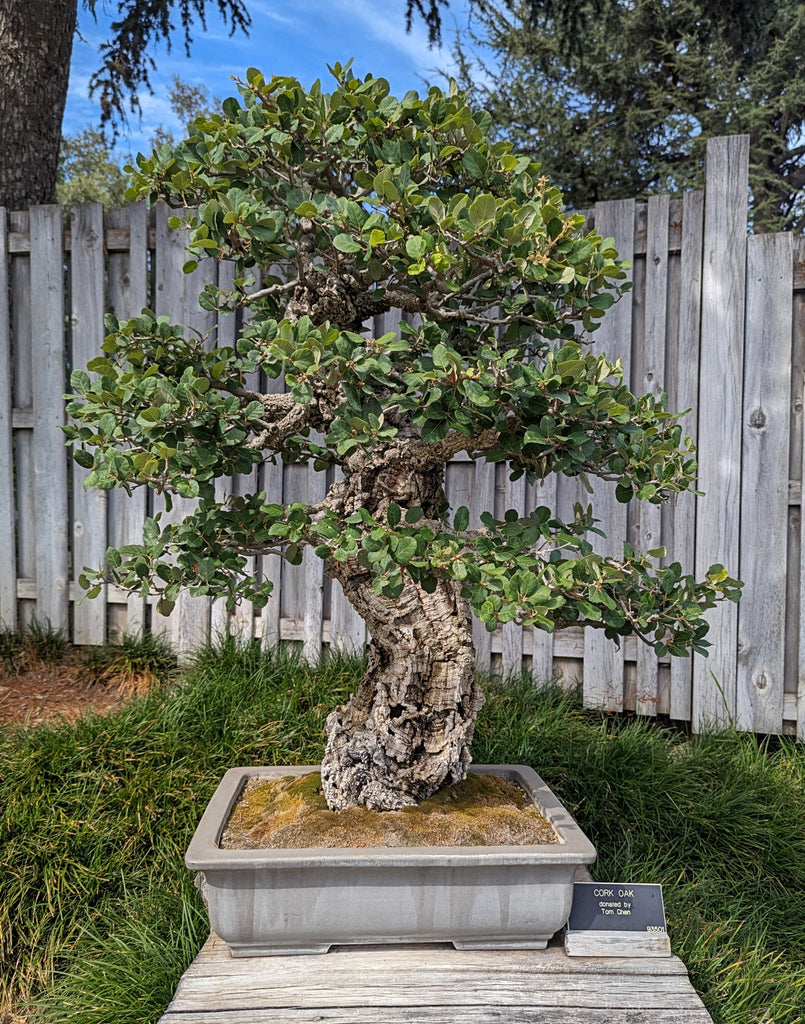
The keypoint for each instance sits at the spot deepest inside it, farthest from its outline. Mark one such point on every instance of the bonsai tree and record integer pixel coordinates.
(342, 206)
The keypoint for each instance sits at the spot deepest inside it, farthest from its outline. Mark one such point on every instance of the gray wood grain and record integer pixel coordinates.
(434, 983)
(796, 619)
(8, 541)
(49, 453)
(89, 506)
(653, 383)
(764, 491)
(22, 400)
(273, 483)
(541, 494)
(603, 660)
(483, 500)
(313, 568)
(718, 518)
(176, 295)
(684, 391)
(512, 633)
(127, 288)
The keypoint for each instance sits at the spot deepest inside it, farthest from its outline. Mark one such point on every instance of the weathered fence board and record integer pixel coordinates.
(128, 294)
(49, 455)
(720, 413)
(652, 383)
(683, 385)
(764, 493)
(8, 578)
(22, 416)
(89, 506)
(176, 296)
(604, 685)
(795, 618)
(699, 288)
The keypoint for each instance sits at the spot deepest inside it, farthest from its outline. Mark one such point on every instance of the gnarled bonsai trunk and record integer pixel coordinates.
(407, 730)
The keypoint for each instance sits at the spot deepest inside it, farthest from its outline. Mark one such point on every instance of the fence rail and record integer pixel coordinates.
(716, 319)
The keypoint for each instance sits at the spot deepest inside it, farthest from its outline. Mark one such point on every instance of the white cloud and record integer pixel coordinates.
(388, 27)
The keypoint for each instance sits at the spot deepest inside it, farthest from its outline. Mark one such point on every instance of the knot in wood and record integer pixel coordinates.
(757, 419)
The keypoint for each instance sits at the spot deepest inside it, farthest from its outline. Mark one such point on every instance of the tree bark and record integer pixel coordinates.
(36, 38)
(408, 729)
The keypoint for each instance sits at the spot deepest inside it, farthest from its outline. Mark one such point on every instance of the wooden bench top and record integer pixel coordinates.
(433, 984)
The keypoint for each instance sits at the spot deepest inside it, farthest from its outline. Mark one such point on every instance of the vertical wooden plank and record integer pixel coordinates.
(89, 507)
(274, 486)
(794, 599)
(50, 455)
(720, 413)
(347, 628)
(542, 493)
(176, 295)
(684, 387)
(222, 622)
(483, 500)
(512, 633)
(795, 621)
(22, 399)
(127, 277)
(801, 631)
(653, 383)
(127, 287)
(313, 568)
(603, 660)
(764, 490)
(8, 554)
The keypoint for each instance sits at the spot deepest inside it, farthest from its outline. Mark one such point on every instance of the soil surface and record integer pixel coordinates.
(47, 693)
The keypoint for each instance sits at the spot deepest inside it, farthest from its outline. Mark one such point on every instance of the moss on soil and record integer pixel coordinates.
(291, 813)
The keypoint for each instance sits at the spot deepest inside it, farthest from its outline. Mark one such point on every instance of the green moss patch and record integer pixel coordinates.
(291, 813)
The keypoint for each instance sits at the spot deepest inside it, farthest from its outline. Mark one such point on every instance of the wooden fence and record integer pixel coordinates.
(716, 319)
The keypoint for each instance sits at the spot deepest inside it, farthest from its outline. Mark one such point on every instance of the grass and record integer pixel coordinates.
(98, 917)
(133, 662)
(37, 643)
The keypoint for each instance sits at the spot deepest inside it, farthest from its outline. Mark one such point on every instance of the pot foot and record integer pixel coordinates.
(532, 942)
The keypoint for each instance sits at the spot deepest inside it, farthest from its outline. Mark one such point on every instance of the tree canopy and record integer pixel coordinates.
(617, 99)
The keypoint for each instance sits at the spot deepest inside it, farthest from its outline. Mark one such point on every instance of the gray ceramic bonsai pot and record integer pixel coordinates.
(264, 902)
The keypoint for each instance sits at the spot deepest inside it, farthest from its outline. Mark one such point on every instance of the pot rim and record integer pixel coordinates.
(205, 854)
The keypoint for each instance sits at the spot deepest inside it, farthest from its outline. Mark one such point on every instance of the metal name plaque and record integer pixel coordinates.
(616, 906)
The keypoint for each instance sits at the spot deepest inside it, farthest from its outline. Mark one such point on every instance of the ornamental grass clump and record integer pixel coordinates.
(335, 208)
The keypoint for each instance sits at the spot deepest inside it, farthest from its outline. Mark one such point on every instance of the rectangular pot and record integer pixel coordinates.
(267, 902)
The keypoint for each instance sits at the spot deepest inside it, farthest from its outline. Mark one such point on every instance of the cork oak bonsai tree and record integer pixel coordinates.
(336, 207)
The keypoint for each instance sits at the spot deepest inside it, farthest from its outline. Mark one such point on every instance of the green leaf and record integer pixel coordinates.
(415, 246)
(462, 519)
(346, 243)
(476, 163)
(405, 549)
(394, 514)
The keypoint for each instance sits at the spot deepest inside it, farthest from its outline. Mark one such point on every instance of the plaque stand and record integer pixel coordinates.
(601, 943)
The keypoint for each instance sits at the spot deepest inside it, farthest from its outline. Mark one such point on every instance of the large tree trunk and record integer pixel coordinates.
(407, 730)
(36, 38)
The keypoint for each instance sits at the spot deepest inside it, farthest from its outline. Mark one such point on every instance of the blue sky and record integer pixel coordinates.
(298, 38)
